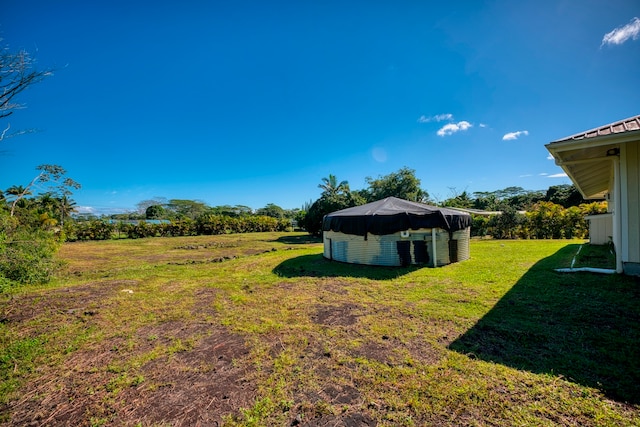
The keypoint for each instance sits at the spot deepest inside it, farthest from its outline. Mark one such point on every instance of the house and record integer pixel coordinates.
(604, 163)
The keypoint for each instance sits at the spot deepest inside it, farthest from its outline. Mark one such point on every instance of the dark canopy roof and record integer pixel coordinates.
(390, 215)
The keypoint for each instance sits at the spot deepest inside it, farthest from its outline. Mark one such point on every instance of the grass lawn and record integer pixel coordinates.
(260, 330)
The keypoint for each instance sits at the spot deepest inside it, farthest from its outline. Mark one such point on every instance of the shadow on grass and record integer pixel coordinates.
(318, 266)
(582, 326)
(298, 240)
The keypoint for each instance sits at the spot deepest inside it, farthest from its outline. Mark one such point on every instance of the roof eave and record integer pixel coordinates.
(575, 144)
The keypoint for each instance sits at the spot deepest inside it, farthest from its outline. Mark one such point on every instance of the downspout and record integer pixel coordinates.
(617, 214)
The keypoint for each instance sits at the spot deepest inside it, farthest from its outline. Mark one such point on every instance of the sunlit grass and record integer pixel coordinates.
(498, 339)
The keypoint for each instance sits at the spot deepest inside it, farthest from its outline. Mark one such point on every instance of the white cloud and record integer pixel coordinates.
(101, 210)
(550, 157)
(514, 135)
(85, 209)
(558, 175)
(482, 125)
(525, 176)
(622, 34)
(543, 174)
(452, 128)
(438, 118)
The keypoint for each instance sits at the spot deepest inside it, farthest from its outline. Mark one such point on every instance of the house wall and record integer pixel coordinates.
(630, 190)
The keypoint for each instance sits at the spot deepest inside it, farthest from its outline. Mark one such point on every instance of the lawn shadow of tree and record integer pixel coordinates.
(298, 240)
(584, 327)
(317, 266)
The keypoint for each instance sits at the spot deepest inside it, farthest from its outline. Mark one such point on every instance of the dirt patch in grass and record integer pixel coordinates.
(203, 301)
(394, 353)
(69, 394)
(73, 301)
(336, 315)
(316, 405)
(176, 372)
(196, 387)
(198, 384)
(379, 352)
(348, 420)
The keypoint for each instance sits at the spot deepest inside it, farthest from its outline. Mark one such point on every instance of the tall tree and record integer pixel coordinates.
(16, 74)
(402, 184)
(335, 196)
(271, 210)
(458, 200)
(16, 193)
(67, 207)
(191, 209)
(508, 192)
(16, 190)
(331, 187)
(327, 203)
(155, 212)
(47, 202)
(142, 206)
(565, 194)
(52, 174)
(485, 200)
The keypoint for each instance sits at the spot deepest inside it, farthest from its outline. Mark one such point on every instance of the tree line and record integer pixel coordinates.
(512, 212)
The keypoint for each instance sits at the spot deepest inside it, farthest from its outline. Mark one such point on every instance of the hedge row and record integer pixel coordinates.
(545, 220)
(205, 225)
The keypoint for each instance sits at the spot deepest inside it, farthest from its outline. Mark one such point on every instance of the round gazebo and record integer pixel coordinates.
(397, 232)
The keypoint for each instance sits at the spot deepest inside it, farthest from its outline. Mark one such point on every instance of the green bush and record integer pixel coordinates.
(479, 225)
(26, 254)
(141, 229)
(506, 225)
(91, 230)
(181, 227)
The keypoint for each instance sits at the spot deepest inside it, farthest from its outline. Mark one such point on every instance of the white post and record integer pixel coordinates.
(433, 243)
(617, 214)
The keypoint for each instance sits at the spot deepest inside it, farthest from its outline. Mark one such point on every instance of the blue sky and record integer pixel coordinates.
(250, 103)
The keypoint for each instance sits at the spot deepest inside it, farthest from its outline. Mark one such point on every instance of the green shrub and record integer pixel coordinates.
(480, 225)
(92, 230)
(26, 255)
(142, 229)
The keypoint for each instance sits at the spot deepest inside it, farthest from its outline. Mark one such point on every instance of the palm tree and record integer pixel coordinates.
(331, 187)
(67, 206)
(47, 221)
(17, 191)
(47, 202)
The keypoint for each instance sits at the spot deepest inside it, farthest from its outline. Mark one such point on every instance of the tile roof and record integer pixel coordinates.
(627, 125)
